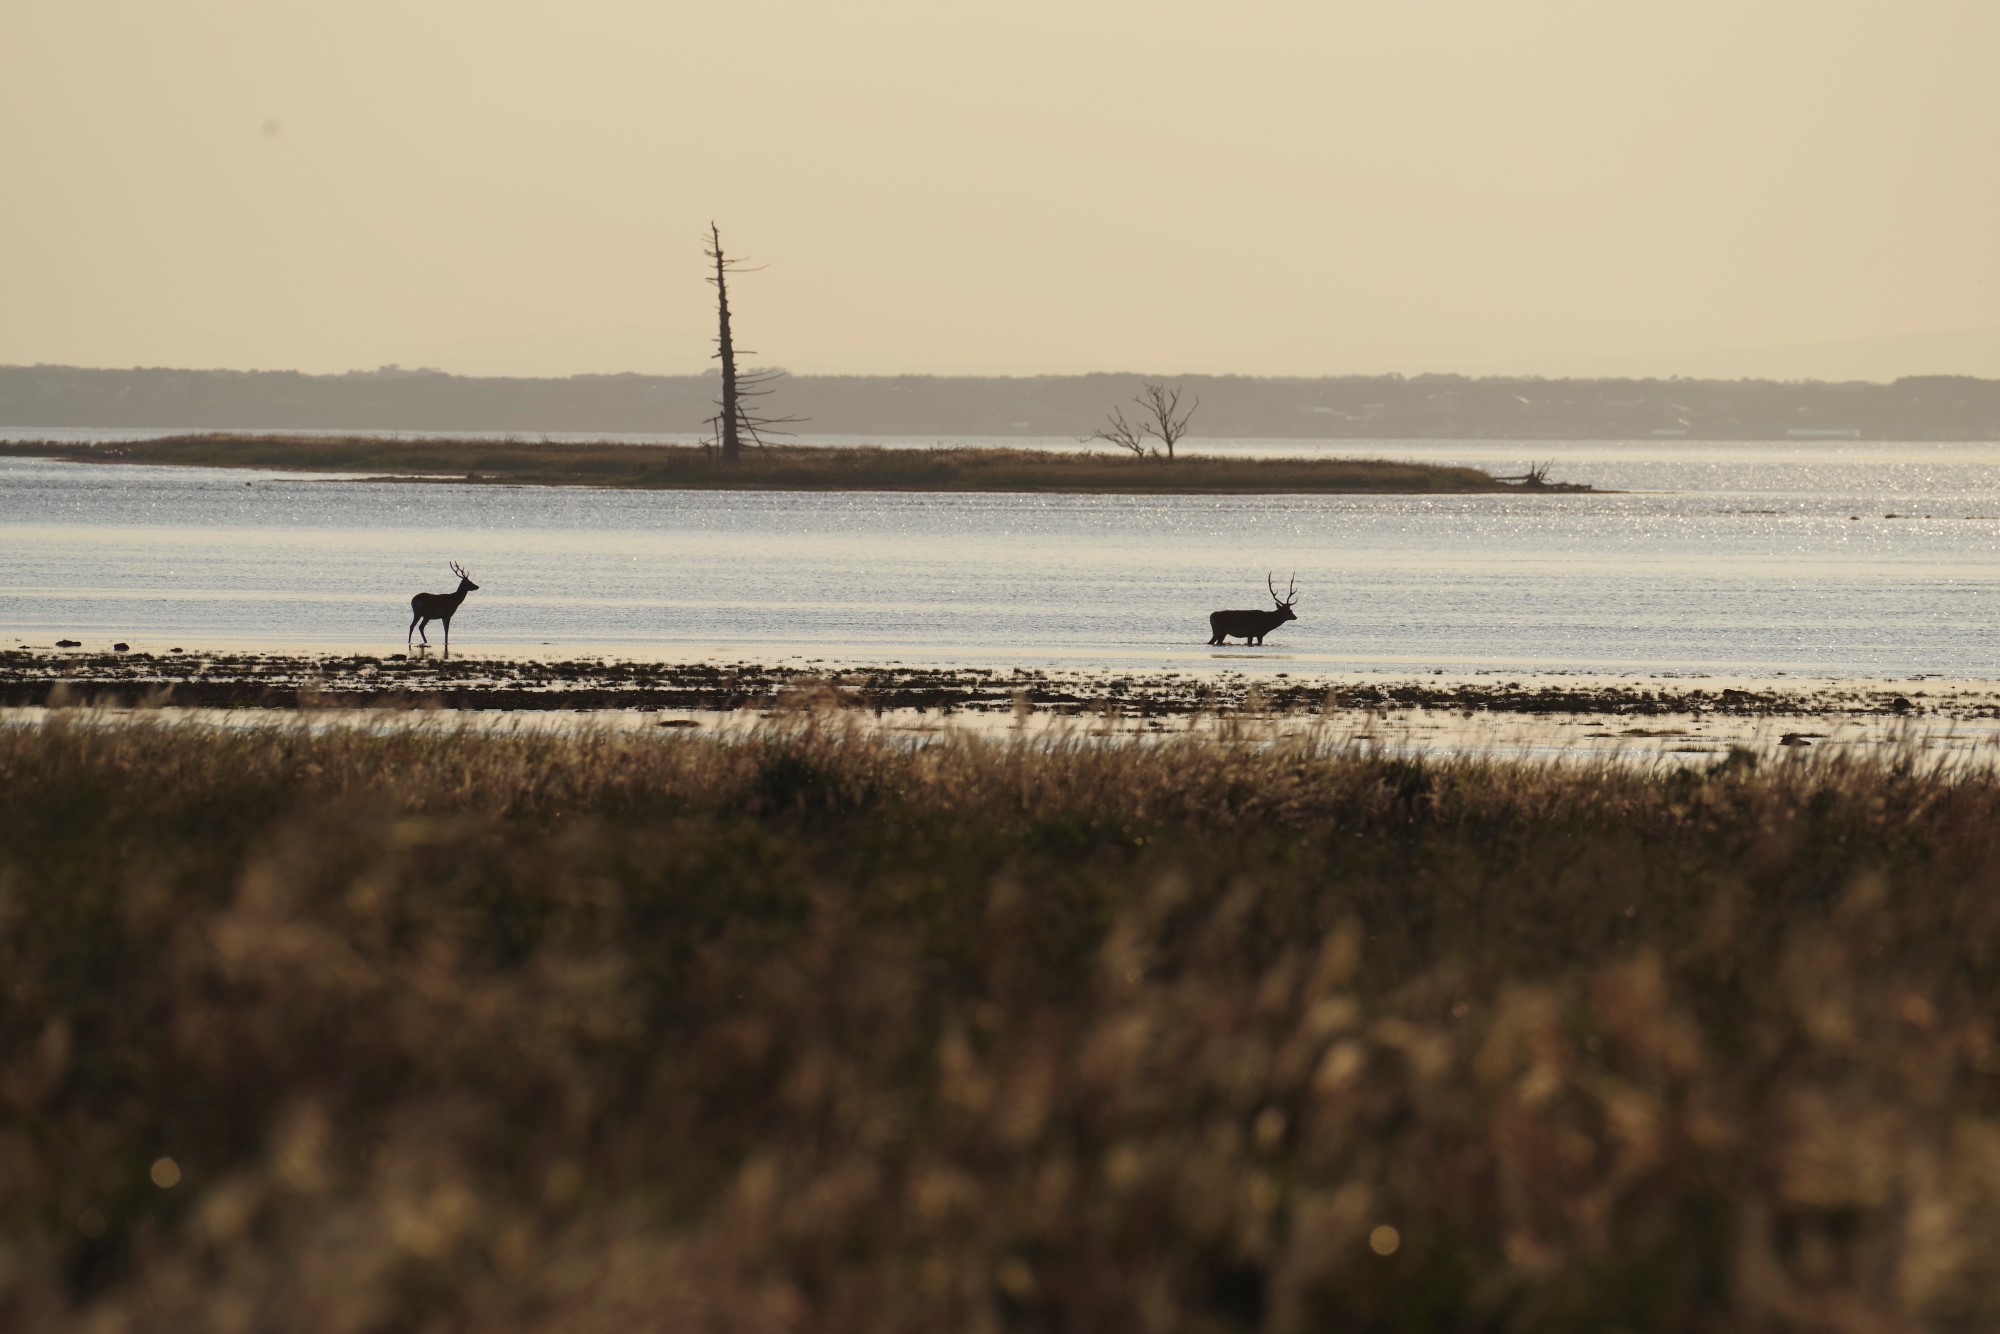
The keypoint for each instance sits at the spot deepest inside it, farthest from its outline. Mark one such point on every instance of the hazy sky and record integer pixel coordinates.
(495, 186)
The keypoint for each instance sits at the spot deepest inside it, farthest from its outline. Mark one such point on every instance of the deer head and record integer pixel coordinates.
(465, 578)
(1284, 608)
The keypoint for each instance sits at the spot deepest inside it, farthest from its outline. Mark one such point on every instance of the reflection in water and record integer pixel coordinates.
(1741, 558)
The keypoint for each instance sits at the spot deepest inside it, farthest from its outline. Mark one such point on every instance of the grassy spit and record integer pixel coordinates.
(780, 467)
(418, 1030)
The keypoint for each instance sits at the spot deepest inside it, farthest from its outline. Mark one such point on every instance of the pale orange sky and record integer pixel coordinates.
(490, 186)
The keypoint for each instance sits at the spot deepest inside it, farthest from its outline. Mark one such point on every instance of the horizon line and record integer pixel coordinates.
(396, 368)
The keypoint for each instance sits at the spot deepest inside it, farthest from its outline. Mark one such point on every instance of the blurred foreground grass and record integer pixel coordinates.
(421, 1031)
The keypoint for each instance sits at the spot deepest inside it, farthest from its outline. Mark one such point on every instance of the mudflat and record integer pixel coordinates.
(31, 677)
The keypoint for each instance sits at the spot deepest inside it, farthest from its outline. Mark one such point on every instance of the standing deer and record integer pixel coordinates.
(428, 607)
(1254, 625)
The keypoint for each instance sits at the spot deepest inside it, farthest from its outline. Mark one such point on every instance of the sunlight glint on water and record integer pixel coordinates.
(1736, 558)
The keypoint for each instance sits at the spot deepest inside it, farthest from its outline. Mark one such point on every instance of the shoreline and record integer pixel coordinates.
(31, 678)
(948, 469)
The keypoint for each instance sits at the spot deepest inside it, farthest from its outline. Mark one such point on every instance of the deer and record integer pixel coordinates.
(1254, 625)
(428, 607)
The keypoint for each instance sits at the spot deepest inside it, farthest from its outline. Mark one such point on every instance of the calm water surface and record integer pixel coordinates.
(1724, 558)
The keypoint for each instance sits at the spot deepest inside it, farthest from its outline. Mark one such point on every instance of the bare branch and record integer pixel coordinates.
(1117, 431)
(1168, 422)
(734, 420)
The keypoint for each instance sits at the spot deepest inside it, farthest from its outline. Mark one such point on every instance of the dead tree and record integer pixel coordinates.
(735, 418)
(1167, 423)
(1536, 478)
(1117, 431)
(1163, 406)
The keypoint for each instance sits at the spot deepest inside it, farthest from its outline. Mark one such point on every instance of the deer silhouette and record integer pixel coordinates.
(428, 607)
(1254, 625)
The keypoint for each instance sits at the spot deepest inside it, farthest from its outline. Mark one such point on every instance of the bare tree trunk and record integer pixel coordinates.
(736, 415)
(725, 351)
(1163, 406)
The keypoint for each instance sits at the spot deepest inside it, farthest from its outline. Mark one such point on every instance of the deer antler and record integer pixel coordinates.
(459, 570)
(1291, 590)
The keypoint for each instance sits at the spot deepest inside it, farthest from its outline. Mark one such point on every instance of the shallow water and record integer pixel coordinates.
(1746, 559)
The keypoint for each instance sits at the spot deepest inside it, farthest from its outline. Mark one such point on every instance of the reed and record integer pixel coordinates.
(414, 1029)
(779, 467)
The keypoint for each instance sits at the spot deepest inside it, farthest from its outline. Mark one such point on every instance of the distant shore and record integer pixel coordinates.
(789, 467)
(1360, 408)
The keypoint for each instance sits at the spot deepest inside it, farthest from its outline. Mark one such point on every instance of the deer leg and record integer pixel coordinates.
(410, 635)
(447, 636)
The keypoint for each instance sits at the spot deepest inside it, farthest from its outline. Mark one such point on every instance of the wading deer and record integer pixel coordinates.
(1254, 625)
(428, 607)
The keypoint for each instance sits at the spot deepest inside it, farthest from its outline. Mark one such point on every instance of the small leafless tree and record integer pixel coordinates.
(735, 418)
(1163, 406)
(1117, 431)
(1160, 418)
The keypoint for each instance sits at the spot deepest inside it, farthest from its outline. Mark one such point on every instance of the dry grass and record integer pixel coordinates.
(492, 1033)
(784, 467)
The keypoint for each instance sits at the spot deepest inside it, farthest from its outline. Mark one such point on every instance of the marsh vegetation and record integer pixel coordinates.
(411, 1029)
(778, 467)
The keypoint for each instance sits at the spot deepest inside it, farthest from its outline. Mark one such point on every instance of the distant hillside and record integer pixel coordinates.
(1362, 407)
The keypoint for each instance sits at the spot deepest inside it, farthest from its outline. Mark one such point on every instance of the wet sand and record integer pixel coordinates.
(1523, 714)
